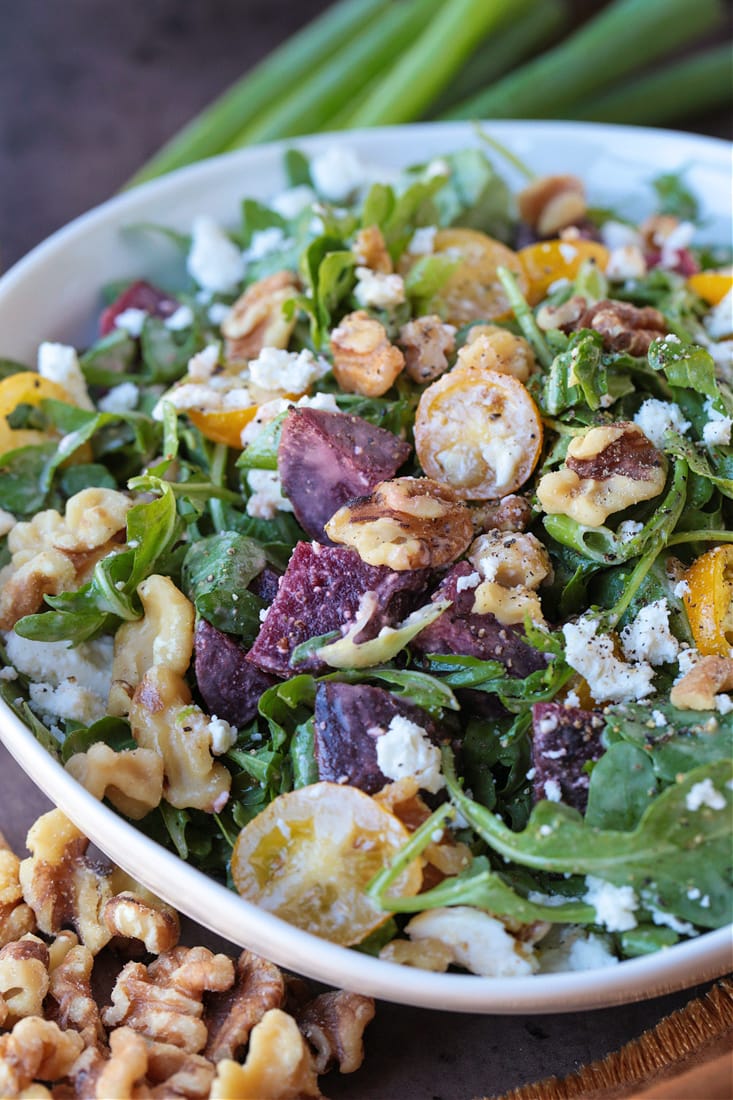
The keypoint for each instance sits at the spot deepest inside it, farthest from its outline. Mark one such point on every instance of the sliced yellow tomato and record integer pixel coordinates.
(473, 292)
(709, 601)
(309, 855)
(712, 286)
(547, 261)
(27, 387)
(479, 432)
(223, 426)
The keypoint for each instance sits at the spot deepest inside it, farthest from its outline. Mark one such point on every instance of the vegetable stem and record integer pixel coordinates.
(212, 130)
(624, 36)
(525, 317)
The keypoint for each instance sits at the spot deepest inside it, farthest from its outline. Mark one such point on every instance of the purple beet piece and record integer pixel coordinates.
(229, 684)
(348, 720)
(265, 584)
(320, 592)
(564, 739)
(458, 630)
(327, 458)
(140, 295)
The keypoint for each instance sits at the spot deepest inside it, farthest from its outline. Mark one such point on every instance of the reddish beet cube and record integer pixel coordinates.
(327, 458)
(458, 630)
(139, 295)
(229, 684)
(564, 740)
(348, 720)
(265, 584)
(320, 592)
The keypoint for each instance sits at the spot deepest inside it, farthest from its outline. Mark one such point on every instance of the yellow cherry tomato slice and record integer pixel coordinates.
(712, 286)
(709, 601)
(308, 856)
(479, 432)
(547, 261)
(473, 292)
(223, 426)
(27, 387)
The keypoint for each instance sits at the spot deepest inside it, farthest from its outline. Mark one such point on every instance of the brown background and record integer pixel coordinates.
(88, 90)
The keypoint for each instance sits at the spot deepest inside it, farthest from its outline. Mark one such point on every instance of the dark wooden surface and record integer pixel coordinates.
(88, 90)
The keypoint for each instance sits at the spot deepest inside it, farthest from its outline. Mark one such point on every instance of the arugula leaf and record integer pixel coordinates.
(216, 574)
(622, 784)
(674, 197)
(685, 365)
(417, 687)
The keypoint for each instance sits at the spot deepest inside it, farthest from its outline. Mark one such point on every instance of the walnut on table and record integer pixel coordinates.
(230, 1016)
(16, 918)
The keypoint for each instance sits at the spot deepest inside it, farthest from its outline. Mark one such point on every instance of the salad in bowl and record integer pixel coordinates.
(379, 564)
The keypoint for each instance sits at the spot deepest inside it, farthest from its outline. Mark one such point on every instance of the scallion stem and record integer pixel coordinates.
(622, 38)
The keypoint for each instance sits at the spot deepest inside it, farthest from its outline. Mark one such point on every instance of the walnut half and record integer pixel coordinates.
(364, 361)
(406, 523)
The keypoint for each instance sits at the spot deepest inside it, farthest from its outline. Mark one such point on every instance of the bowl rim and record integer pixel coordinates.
(219, 908)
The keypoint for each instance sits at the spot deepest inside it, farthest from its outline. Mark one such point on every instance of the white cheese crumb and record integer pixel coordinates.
(89, 663)
(673, 243)
(704, 794)
(214, 261)
(568, 252)
(626, 262)
(719, 322)
(686, 660)
(648, 637)
(572, 699)
(570, 948)
(614, 905)
(478, 941)
(618, 235)
(202, 365)
(131, 320)
(182, 318)
(546, 830)
(267, 498)
(717, 431)
(337, 173)
(120, 399)
(378, 291)
(290, 371)
(657, 417)
(660, 917)
(218, 312)
(266, 241)
(267, 412)
(59, 363)
(682, 588)
(469, 581)
(552, 790)
(592, 655)
(405, 749)
(628, 530)
(422, 242)
(658, 719)
(8, 673)
(223, 735)
(723, 703)
(293, 201)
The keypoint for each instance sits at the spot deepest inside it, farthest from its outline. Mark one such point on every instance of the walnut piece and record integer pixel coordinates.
(23, 978)
(133, 917)
(489, 347)
(427, 344)
(406, 523)
(16, 918)
(564, 317)
(36, 1050)
(139, 1067)
(279, 1065)
(164, 636)
(132, 779)
(256, 320)
(624, 327)
(706, 679)
(164, 1000)
(70, 1002)
(334, 1024)
(230, 1016)
(511, 513)
(551, 203)
(164, 719)
(607, 469)
(371, 251)
(364, 361)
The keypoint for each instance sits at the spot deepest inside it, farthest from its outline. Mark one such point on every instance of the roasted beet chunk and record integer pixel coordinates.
(140, 295)
(349, 719)
(327, 458)
(458, 630)
(320, 592)
(229, 684)
(265, 584)
(564, 739)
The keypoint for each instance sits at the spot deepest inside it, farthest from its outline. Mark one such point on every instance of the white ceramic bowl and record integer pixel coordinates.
(53, 294)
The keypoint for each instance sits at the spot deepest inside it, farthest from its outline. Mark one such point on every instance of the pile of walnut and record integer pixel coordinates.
(189, 1023)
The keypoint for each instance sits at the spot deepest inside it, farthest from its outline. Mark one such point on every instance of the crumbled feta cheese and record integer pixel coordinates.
(669, 920)
(478, 941)
(267, 498)
(377, 290)
(681, 589)
(470, 581)
(628, 530)
(7, 522)
(704, 794)
(657, 417)
(289, 371)
(182, 318)
(592, 655)
(214, 261)
(618, 235)
(717, 431)
(719, 322)
(648, 637)
(437, 167)
(120, 399)
(70, 683)
(686, 660)
(218, 312)
(723, 703)
(223, 736)
(552, 790)
(673, 243)
(293, 201)
(568, 252)
(266, 241)
(68, 700)
(572, 699)
(626, 262)
(131, 320)
(337, 173)
(59, 363)
(614, 905)
(658, 719)
(8, 673)
(405, 749)
(202, 365)
(548, 724)
(422, 242)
